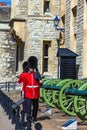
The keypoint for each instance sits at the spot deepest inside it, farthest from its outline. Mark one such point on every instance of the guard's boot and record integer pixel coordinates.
(38, 126)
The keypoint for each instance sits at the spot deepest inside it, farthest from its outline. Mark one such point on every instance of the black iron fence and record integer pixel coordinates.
(9, 86)
(6, 102)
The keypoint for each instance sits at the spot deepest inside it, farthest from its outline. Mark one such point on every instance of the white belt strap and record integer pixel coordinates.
(35, 86)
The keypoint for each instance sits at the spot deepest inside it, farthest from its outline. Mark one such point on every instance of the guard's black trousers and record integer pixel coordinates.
(29, 103)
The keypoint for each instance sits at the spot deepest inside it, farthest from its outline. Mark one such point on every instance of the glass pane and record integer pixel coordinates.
(46, 50)
(45, 67)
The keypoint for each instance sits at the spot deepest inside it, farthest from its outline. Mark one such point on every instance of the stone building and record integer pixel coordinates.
(7, 47)
(76, 33)
(33, 29)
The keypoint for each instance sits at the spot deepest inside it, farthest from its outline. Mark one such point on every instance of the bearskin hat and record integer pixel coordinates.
(25, 66)
(32, 62)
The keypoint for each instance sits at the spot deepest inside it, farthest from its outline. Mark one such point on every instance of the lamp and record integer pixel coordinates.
(56, 22)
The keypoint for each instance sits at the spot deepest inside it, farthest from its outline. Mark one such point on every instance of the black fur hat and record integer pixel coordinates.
(32, 62)
(25, 66)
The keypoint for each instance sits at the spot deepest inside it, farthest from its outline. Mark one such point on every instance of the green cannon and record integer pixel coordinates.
(80, 102)
(54, 96)
(50, 91)
(57, 91)
(47, 91)
(68, 95)
(66, 100)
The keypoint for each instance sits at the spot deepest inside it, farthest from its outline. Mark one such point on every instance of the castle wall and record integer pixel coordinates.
(80, 37)
(76, 33)
(42, 30)
(39, 27)
(7, 48)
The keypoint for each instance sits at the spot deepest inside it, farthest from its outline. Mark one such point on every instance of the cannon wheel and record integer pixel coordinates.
(47, 93)
(41, 99)
(80, 104)
(66, 101)
(56, 92)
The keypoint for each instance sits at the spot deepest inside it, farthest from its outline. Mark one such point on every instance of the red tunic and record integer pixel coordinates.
(31, 86)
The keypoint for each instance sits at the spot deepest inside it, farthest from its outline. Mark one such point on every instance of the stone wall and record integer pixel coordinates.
(22, 9)
(67, 23)
(7, 48)
(38, 27)
(7, 58)
(37, 7)
(80, 32)
(41, 30)
(19, 9)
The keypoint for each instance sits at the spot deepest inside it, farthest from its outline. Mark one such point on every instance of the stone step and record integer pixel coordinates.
(5, 122)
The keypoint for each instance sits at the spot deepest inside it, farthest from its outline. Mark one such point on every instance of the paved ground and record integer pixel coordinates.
(53, 122)
(5, 123)
(57, 119)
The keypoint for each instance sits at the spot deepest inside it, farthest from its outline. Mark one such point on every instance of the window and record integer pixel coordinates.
(74, 11)
(46, 6)
(19, 57)
(45, 69)
(46, 56)
(45, 59)
(63, 20)
(46, 50)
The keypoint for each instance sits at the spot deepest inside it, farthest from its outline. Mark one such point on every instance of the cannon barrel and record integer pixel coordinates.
(76, 92)
(51, 87)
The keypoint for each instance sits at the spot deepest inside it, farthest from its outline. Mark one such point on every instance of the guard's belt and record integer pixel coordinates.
(35, 86)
